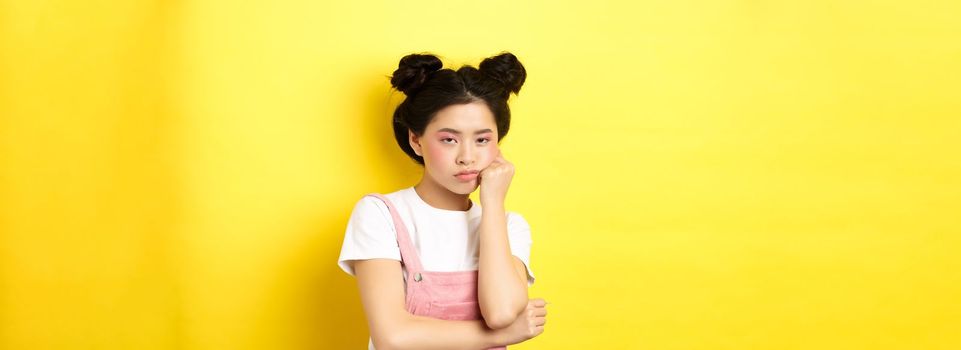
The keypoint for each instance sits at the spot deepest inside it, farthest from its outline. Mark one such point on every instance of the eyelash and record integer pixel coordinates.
(449, 138)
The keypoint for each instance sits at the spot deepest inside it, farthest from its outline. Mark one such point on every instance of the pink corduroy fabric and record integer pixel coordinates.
(446, 295)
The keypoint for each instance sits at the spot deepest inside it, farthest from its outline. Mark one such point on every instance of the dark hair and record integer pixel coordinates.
(430, 88)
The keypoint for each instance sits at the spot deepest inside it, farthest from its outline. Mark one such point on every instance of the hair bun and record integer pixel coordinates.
(413, 71)
(506, 69)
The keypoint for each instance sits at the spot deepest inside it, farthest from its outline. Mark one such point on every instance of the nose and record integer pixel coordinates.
(466, 156)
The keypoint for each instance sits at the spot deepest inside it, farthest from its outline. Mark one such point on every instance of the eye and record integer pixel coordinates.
(485, 141)
(445, 139)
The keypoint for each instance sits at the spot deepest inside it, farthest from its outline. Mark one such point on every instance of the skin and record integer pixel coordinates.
(509, 316)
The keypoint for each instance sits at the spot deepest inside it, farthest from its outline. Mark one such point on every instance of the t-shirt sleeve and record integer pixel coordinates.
(519, 237)
(370, 234)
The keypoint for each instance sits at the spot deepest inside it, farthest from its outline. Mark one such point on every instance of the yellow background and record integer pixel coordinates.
(698, 174)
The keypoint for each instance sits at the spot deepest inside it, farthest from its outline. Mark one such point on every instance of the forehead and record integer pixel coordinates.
(464, 117)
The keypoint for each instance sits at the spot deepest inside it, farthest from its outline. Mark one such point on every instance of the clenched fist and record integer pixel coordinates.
(495, 179)
(529, 324)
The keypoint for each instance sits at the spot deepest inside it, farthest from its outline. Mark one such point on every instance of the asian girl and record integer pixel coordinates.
(434, 269)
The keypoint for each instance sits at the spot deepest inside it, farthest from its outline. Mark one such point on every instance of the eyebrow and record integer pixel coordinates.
(478, 132)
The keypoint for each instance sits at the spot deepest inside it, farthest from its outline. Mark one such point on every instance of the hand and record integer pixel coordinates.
(529, 324)
(495, 179)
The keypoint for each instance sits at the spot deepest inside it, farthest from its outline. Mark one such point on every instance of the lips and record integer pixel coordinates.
(466, 175)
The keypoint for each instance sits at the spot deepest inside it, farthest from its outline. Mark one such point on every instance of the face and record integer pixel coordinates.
(460, 138)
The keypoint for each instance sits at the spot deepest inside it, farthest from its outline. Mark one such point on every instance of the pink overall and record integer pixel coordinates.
(446, 295)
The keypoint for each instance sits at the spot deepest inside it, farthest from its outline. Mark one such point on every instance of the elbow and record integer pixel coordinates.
(383, 341)
(394, 337)
(500, 320)
(504, 315)
(388, 342)
(400, 341)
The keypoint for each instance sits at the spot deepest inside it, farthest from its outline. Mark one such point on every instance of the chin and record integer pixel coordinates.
(463, 188)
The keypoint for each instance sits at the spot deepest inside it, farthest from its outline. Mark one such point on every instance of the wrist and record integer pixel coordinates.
(492, 203)
(495, 337)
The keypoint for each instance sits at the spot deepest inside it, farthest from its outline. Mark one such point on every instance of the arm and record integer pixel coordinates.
(392, 327)
(502, 278)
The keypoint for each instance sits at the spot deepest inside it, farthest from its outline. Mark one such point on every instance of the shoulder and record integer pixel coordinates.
(369, 204)
(372, 214)
(370, 207)
(370, 234)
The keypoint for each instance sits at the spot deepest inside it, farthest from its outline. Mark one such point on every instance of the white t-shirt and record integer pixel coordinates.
(445, 240)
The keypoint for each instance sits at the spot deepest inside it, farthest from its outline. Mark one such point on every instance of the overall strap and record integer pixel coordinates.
(408, 254)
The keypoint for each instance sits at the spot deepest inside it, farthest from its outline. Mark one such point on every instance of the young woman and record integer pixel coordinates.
(434, 269)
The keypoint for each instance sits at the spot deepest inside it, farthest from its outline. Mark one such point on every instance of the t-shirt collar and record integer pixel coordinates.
(415, 198)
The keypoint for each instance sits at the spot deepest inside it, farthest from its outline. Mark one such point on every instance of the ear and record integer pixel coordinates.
(414, 143)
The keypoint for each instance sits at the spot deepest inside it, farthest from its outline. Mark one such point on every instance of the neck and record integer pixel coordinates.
(439, 197)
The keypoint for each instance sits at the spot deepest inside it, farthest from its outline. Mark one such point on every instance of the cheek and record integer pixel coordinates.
(490, 154)
(437, 152)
